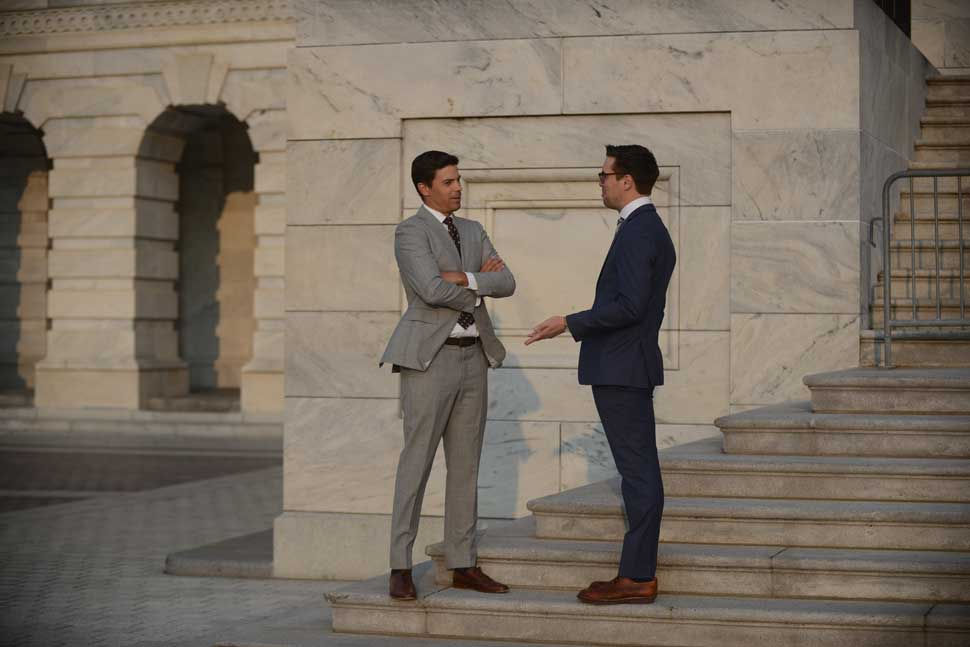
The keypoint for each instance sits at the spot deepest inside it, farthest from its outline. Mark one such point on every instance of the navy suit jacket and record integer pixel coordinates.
(619, 333)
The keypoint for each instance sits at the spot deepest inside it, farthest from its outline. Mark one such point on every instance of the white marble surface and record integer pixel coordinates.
(586, 455)
(697, 392)
(697, 147)
(344, 182)
(796, 175)
(336, 354)
(351, 92)
(332, 22)
(337, 267)
(770, 353)
(340, 455)
(792, 267)
(93, 97)
(538, 394)
(704, 266)
(817, 73)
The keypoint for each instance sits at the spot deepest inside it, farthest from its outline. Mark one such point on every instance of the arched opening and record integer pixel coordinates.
(23, 256)
(215, 245)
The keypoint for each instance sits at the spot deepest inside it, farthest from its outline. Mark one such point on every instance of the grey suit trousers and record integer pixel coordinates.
(447, 401)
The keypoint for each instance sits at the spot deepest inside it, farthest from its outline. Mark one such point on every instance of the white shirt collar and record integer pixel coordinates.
(633, 205)
(437, 214)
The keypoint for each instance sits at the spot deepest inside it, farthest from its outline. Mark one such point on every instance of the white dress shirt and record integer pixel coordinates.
(458, 331)
(633, 205)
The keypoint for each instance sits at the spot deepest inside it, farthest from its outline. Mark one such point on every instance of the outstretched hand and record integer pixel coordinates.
(551, 327)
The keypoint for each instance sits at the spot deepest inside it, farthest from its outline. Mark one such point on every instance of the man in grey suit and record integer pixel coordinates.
(442, 347)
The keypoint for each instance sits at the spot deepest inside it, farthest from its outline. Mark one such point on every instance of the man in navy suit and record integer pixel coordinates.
(620, 357)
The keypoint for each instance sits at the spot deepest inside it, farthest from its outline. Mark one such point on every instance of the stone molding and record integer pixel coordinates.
(142, 15)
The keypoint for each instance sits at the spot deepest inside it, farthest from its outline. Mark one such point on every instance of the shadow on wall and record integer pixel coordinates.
(23, 251)
(216, 244)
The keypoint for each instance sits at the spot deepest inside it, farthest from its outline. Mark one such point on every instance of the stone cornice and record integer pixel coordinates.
(142, 15)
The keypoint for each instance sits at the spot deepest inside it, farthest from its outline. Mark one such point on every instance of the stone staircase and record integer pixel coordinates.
(844, 520)
(944, 144)
(840, 521)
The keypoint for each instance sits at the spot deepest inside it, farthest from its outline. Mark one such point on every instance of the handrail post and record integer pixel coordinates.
(886, 274)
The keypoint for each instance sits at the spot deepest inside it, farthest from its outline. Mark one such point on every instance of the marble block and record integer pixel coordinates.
(704, 268)
(956, 52)
(340, 455)
(338, 267)
(817, 71)
(141, 95)
(696, 392)
(795, 267)
(520, 462)
(118, 135)
(696, 147)
(586, 454)
(344, 182)
(247, 91)
(331, 22)
(771, 353)
(354, 92)
(538, 394)
(336, 354)
(796, 175)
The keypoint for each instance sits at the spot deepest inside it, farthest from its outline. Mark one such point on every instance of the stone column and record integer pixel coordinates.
(112, 265)
(262, 377)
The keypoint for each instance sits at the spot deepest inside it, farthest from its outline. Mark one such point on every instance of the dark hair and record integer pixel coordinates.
(637, 162)
(425, 165)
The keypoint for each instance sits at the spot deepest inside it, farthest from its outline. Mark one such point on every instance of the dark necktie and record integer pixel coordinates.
(464, 319)
(619, 223)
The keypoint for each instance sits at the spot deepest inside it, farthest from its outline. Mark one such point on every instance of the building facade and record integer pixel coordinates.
(171, 165)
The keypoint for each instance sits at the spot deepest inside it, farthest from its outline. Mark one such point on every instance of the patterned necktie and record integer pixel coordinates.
(619, 223)
(465, 319)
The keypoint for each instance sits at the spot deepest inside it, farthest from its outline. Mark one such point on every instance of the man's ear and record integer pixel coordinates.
(424, 189)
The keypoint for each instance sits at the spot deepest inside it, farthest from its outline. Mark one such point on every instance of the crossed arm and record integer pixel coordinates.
(419, 270)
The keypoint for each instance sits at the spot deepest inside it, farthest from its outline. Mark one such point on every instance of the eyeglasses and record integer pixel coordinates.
(603, 176)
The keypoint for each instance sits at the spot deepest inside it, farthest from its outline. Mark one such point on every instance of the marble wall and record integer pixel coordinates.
(753, 110)
(941, 30)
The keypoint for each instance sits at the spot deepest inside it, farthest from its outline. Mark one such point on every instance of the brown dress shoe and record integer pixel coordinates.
(619, 590)
(474, 578)
(401, 585)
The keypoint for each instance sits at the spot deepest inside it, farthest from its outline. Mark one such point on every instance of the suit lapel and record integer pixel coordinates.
(468, 247)
(626, 224)
(440, 234)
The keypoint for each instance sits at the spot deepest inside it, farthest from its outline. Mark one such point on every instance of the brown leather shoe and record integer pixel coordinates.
(401, 585)
(619, 590)
(474, 578)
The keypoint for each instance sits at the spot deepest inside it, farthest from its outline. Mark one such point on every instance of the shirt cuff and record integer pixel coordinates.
(473, 285)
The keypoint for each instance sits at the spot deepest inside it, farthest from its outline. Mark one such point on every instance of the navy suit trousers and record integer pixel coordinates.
(627, 417)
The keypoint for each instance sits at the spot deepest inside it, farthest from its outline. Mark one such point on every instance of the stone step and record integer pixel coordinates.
(594, 512)
(702, 469)
(946, 204)
(899, 390)
(548, 616)
(955, 90)
(712, 569)
(794, 429)
(950, 154)
(924, 283)
(949, 229)
(901, 309)
(918, 348)
(213, 400)
(946, 113)
(958, 180)
(947, 131)
(903, 254)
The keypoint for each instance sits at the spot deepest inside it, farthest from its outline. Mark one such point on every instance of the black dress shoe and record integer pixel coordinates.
(401, 585)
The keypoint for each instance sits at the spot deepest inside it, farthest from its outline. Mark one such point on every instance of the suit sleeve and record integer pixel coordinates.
(493, 284)
(635, 257)
(420, 271)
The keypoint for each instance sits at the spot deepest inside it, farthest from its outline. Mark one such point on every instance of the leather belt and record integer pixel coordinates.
(461, 341)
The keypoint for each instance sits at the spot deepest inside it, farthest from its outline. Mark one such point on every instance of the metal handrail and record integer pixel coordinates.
(887, 218)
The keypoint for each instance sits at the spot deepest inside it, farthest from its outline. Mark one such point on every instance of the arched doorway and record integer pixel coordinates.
(215, 245)
(24, 168)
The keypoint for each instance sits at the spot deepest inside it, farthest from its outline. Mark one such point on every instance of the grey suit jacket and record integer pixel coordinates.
(423, 250)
